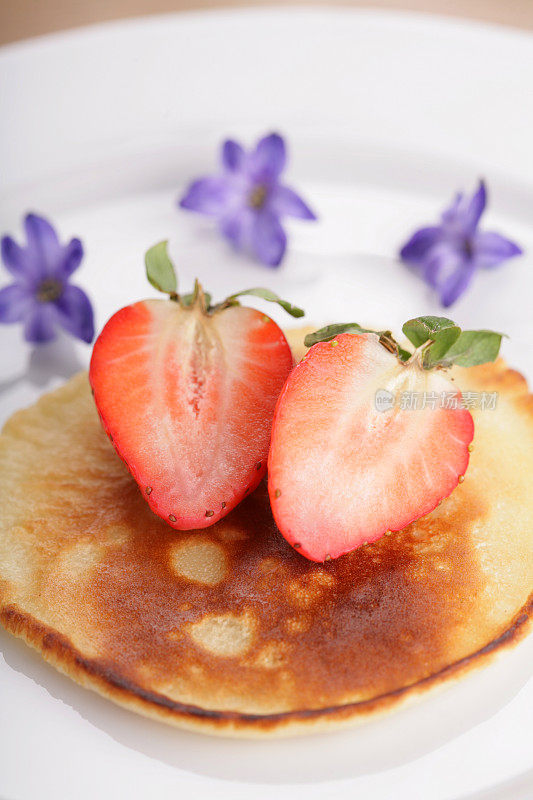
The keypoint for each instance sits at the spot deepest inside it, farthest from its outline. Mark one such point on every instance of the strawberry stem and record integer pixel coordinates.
(418, 354)
(200, 296)
(197, 299)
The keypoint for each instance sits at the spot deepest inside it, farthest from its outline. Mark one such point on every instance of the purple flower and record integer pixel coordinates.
(41, 296)
(448, 255)
(247, 199)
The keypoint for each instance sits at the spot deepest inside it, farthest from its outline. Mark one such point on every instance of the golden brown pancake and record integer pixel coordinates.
(228, 630)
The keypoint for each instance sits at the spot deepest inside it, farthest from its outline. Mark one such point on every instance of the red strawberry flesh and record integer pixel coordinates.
(342, 473)
(188, 401)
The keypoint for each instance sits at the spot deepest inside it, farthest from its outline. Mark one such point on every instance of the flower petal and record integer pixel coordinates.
(232, 155)
(463, 216)
(451, 214)
(456, 283)
(75, 313)
(43, 242)
(70, 260)
(417, 248)
(268, 238)
(40, 323)
(208, 196)
(285, 201)
(490, 249)
(15, 302)
(441, 262)
(237, 228)
(475, 208)
(21, 262)
(267, 161)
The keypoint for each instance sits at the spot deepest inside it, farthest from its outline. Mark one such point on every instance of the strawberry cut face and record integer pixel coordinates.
(341, 472)
(187, 400)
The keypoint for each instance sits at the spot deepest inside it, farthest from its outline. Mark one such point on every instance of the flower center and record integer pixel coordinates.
(49, 290)
(257, 197)
(468, 248)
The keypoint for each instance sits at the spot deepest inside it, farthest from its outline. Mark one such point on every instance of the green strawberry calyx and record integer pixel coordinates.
(161, 273)
(438, 342)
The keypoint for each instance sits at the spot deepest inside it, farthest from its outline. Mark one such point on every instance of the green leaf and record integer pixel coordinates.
(160, 269)
(474, 347)
(405, 355)
(330, 331)
(443, 340)
(272, 297)
(420, 329)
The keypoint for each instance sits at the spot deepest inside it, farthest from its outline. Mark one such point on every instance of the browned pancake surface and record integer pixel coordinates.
(228, 629)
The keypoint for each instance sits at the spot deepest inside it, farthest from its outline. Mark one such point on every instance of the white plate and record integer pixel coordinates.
(386, 115)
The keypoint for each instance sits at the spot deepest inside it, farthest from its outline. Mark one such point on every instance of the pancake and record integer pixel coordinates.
(228, 630)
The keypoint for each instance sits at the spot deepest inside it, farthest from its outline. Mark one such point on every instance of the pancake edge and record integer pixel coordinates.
(99, 677)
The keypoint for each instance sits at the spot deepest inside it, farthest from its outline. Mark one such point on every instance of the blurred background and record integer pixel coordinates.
(20, 19)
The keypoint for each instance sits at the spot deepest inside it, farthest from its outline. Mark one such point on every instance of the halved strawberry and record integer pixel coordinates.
(187, 393)
(342, 473)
